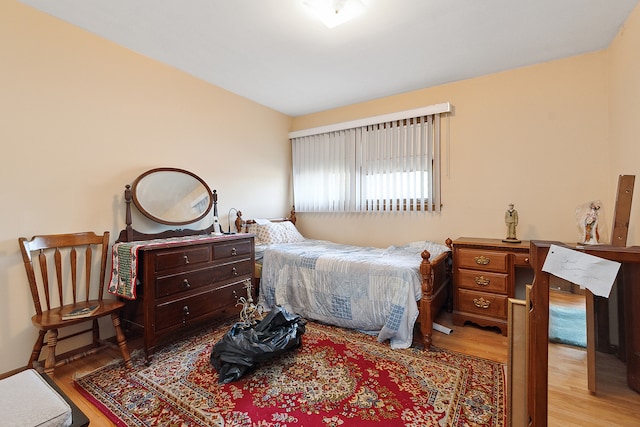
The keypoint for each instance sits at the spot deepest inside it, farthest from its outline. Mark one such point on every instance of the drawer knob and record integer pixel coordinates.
(234, 252)
(234, 271)
(186, 259)
(185, 313)
(482, 260)
(482, 281)
(186, 284)
(481, 303)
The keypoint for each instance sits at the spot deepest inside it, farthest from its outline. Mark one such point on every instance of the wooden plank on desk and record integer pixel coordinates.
(622, 212)
(621, 217)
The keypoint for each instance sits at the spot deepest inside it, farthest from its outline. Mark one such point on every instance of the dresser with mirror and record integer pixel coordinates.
(177, 279)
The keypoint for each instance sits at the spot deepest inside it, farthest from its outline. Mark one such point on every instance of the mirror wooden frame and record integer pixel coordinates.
(166, 202)
(129, 234)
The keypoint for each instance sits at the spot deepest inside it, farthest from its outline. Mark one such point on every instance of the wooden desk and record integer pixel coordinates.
(628, 278)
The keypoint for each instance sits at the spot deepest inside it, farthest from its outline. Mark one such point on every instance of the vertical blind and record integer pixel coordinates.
(391, 165)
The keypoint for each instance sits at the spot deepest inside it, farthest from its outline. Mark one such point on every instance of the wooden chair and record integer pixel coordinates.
(56, 289)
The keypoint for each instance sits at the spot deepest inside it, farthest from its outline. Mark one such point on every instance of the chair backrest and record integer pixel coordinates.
(67, 288)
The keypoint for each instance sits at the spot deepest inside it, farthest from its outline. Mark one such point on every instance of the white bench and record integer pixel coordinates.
(27, 399)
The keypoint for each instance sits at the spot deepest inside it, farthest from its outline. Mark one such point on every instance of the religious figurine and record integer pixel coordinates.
(511, 219)
(589, 224)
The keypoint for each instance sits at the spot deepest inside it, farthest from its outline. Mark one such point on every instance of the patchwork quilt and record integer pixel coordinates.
(374, 290)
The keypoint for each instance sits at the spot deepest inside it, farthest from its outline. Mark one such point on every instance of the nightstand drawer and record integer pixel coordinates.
(521, 260)
(483, 281)
(483, 303)
(483, 260)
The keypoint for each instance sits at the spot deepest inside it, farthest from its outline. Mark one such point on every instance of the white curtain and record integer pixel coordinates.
(389, 166)
(323, 172)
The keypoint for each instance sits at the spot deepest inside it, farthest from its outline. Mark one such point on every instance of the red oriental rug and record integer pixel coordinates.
(337, 378)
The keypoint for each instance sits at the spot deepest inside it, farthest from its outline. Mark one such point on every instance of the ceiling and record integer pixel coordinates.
(276, 54)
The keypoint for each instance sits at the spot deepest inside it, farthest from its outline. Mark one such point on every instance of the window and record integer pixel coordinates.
(385, 163)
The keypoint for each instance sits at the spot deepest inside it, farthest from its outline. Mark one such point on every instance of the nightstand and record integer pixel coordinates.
(484, 278)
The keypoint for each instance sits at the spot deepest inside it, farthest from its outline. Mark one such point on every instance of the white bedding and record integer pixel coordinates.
(370, 289)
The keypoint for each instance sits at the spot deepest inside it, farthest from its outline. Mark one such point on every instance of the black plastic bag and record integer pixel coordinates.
(243, 347)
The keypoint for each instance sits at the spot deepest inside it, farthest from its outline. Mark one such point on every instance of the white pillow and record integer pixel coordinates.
(276, 232)
(253, 229)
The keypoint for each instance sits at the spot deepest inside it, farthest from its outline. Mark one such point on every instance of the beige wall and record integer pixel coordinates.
(624, 112)
(535, 136)
(547, 138)
(81, 117)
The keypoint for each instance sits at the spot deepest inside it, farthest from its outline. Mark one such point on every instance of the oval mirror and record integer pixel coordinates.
(172, 196)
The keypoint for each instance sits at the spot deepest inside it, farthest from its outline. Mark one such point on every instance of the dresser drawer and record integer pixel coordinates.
(184, 281)
(181, 312)
(194, 279)
(477, 259)
(486, 304)
(232, 249)
(233, 270)
(182, 257)
(483, 281)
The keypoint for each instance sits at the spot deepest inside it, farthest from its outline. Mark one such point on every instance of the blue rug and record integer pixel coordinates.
(568, 325)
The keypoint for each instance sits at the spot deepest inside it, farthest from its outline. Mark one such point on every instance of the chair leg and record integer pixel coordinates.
(37, 348)
(122, 341)
(50, 361)
(96, 333)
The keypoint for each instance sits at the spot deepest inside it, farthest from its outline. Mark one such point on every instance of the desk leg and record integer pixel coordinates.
(631, 273)
(591, 341)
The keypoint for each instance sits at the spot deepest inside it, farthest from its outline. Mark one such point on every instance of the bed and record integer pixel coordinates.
(374, 290)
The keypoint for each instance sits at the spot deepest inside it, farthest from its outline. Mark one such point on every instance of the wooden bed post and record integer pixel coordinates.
(436, 283)
(426, 324)
(239, 222)
(292, 215)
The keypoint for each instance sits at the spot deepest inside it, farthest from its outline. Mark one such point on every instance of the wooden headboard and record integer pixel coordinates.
(242, 225)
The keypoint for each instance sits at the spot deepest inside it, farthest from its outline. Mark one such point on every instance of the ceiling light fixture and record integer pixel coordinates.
(335, 12)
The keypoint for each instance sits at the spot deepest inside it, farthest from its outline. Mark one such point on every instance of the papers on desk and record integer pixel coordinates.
(591, 272)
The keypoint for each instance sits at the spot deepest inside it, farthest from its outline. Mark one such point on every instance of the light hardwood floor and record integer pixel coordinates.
(570, 403)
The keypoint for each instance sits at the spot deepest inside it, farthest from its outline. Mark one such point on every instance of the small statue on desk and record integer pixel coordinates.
(511, 219)
(588, 222)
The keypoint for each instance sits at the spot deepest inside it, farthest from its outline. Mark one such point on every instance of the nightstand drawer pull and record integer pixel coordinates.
(186, 283)
(482, 260)
(482, 281)
(481, 303)
(186, 259)
(234, 252)
(234, 271)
